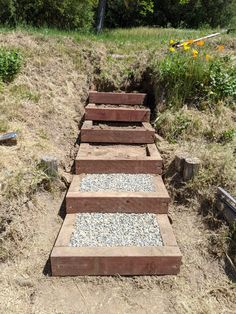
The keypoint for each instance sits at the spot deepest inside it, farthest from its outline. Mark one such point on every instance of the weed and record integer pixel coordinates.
(23, 92)
(3, 125)
(10, 64)
(228, 136)
(222, 80)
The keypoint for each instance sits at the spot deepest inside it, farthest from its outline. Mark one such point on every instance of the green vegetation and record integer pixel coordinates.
(10, 64)
(66, 14)
(194, 77)
(81, 14)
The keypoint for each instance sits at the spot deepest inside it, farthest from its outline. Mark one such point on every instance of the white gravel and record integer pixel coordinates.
(118, 229)
(118, 182)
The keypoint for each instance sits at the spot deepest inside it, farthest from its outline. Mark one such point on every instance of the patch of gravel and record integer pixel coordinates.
(117, 182)
(118, 229)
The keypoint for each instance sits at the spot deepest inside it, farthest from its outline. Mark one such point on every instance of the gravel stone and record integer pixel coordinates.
(117, 182)
(116, 229)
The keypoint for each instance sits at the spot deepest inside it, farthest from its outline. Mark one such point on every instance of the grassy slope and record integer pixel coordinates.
(45, 102)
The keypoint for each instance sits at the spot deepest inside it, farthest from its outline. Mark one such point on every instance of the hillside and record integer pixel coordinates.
(45, 104)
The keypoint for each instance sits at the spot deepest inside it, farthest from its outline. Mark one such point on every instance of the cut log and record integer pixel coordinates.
(191, 168)
(179, 161)
(49, 165)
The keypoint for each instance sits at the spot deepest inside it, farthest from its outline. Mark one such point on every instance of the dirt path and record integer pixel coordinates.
(201, 287)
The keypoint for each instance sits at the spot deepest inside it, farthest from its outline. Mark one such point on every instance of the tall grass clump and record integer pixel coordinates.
(193, 77)
(10, 64)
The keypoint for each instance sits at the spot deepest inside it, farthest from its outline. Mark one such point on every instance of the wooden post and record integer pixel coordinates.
(179, 161)
(49, 165)
(191, 168)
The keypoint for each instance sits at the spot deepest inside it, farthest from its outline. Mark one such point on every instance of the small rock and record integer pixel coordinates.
(22, 282)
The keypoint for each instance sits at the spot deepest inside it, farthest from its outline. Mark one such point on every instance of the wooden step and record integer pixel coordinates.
(117, 98)
(136, 133)
(94, 158)
(81, 261)
(108, 201)
(116, 113)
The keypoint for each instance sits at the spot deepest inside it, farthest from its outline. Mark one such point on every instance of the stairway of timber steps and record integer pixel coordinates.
(116, 138)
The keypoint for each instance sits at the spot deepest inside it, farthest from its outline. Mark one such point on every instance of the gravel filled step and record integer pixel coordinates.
(111, 244)
(117, 229)
(116, 113)
(119, 133)
(95, 158)
(117, 192)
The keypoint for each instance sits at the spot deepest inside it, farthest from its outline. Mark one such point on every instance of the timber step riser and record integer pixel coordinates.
(119, 166)
(127, 202)
(118, 159)
(91, 133)
(77, 203)
(98, 113)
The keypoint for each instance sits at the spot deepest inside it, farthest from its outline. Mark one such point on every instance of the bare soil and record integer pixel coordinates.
(201, 287)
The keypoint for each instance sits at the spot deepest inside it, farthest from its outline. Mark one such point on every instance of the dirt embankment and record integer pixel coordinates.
(45, 104)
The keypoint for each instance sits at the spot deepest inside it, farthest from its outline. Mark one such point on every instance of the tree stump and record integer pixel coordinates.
(179, 161)
(49, 165)
(191, 168)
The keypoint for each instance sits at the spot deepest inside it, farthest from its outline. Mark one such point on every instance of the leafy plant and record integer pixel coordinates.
(10, 64)
(228, 136)
(222, 80)
(182, 77)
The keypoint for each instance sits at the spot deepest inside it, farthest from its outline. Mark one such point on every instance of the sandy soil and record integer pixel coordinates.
(201, 287)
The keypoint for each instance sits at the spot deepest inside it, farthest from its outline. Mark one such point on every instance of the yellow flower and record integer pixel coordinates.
(172, 49)
(195, 53)
(200, 43)
(172, 42)
(190, 41)
(186, 46)
(220, 48)
(208, 57)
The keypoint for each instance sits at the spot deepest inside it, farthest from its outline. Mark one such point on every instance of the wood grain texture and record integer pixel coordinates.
(118, 159)
(117, 98)
(121, 135)
(101, 113)
(137, 202)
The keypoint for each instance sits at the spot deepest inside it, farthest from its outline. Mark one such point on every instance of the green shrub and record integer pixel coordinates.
(64, 14)
(228, 136)
(10, 64)
(222, 80)
(183, 78)
(186, 79)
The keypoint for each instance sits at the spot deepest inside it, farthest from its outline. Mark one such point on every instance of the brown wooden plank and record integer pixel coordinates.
(167, 263)
(117, 98)
(108, 203)
(143, 134)
(101, 113)
(139, 202)
(118, 159)
(117, 166)
(166, 230)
